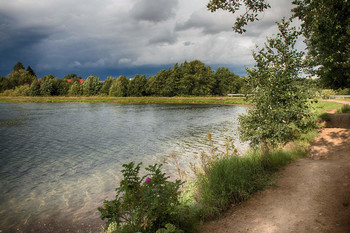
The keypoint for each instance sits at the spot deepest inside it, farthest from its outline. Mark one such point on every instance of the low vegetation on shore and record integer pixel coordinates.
(127, 100)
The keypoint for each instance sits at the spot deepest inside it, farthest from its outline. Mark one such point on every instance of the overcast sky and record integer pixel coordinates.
(125, 37)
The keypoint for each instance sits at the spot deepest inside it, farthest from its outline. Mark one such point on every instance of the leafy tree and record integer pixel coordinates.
(76, 89)
(46, 86)
(252, 8)
(137, 86)
(120, 87)
(156, 85)
(227, 82)
(326, 26)
(18, 66)
(35, 88)
(20, 77)
(91, 86)
(31, 71)
(4, 84)
(173, 81)
(281, 110)
(106, 86)
(60, 87)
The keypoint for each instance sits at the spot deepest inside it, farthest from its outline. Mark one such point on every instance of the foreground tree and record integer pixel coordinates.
(326, 27)
(281, 109)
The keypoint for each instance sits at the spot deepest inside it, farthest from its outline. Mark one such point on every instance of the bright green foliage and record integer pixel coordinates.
(143, 204)
(252, 8)
(137, 86)
(76, 89)
(18, 66)
(106, 86)
(120, 87)
(281, 109)
(91, 86)
(326, 26)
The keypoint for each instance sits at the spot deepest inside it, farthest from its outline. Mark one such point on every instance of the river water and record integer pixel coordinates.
(59, 161)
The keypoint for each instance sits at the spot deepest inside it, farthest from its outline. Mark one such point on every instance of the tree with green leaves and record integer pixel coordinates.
(31, 71)
(137, 86)
(106, 86)
(326, 27)
(91, 86)
(46, 86)
(20, 77)
(120, 87)
(18, 66)
(35, 88)
(4, 84)
(252, 10)
(76, 89)
(281, 111)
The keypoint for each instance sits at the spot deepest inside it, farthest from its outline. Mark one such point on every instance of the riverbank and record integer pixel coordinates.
(311, 195)
(127, 100)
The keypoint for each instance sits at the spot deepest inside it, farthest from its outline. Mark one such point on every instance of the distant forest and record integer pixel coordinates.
(188, 78)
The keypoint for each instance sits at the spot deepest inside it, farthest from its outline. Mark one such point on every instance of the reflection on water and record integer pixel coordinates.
(62, 160)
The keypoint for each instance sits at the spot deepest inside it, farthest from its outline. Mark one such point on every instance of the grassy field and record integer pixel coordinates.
(127, 100)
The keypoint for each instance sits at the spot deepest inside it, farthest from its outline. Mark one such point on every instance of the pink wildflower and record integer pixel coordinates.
(148, 180)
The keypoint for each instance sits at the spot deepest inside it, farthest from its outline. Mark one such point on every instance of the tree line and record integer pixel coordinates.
(188, 78)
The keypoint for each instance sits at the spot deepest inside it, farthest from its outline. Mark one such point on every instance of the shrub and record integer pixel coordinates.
(143, 204)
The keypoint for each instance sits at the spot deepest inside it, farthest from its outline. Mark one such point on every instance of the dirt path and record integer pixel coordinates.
(312, 194)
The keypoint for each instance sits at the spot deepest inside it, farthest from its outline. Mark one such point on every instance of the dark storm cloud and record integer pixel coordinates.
(154, 10)
(19, 43)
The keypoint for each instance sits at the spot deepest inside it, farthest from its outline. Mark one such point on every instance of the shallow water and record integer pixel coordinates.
(61, 160)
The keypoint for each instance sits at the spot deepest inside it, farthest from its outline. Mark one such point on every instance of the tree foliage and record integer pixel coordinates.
(91, 86)
(120, 87)
(281, 109)
(252, 10)
(18, 66)
(326, 27)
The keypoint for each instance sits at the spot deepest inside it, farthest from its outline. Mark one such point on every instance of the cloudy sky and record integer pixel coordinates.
(125, 37)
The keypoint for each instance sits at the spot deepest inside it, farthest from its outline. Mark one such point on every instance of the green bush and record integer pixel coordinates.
(143, 204)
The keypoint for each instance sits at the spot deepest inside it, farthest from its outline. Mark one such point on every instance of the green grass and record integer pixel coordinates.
(127, 100)
(231, 180)
(344, 109)
(322, 106)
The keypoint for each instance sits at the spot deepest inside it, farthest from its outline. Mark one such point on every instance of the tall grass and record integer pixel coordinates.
(233, 179)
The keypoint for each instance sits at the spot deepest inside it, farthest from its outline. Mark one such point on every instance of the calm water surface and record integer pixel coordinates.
(60, 161)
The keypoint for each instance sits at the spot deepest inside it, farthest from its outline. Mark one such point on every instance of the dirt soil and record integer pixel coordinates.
(312, 194)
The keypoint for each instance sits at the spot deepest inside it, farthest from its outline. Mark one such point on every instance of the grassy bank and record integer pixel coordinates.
(127, 100)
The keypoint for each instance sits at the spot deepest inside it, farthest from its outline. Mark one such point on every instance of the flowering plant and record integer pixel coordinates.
(142, 204)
